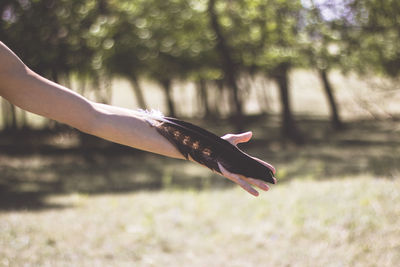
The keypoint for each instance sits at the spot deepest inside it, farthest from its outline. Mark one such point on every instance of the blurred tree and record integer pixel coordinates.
(371, 31)
(229, 67)
(52, 37)
(9, 116)
(283, 37)
(122, 48)
(264, 38)
(164, 41)
(356, 35)
(322, 48)
(167, 58)
(185, 44)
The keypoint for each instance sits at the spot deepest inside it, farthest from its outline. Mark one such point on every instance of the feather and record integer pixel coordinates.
(207, 148)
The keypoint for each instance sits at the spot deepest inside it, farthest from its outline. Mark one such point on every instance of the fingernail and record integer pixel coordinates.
(273, 169)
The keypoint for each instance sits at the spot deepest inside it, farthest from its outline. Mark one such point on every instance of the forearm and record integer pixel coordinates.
(123, 126)
(35, 94)
(31, 92)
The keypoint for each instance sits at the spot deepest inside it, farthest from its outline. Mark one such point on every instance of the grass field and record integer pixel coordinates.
(337, 203)
(340, 222)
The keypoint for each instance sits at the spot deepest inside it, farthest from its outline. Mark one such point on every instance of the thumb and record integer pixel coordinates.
(238, 138)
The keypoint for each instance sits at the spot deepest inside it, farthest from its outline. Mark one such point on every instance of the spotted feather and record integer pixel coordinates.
(207, 148)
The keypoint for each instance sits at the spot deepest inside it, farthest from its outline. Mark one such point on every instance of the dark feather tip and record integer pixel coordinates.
(236, 161)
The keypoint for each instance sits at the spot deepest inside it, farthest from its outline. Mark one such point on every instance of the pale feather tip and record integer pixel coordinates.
(151, 116)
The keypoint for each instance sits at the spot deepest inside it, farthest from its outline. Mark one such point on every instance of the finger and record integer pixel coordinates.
(238, 138)
(236, 179)
(243, 137)
(269, 166)
(258, 183)
(246, 186)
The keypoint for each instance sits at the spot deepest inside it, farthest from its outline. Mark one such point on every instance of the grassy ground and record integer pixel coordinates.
(340, 222)
(336, 204)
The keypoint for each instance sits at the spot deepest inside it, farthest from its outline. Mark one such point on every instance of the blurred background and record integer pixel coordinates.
(317, 81)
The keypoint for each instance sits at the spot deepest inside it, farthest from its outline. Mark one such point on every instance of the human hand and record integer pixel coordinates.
(245, 182)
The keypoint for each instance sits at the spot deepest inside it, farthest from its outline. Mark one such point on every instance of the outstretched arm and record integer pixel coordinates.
(31, 92)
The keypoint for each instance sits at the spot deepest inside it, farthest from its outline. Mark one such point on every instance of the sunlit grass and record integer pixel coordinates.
(340, 222)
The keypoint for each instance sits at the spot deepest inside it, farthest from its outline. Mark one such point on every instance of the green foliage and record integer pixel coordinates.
(262, 34)
(170, 40)
(356, 35)
(174, 38)
(377, 31)
(162, 40)
(52, 37)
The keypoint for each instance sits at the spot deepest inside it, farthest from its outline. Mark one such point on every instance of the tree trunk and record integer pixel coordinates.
(203, 96)
(13, 111)
(137, 89)
(166, 84)
(9, 116)
(217, 107)
(289, 127)
(24, 120)
(227, 62)
(335, 119)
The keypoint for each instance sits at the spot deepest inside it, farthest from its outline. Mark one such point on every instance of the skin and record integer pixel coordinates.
(34, 93)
